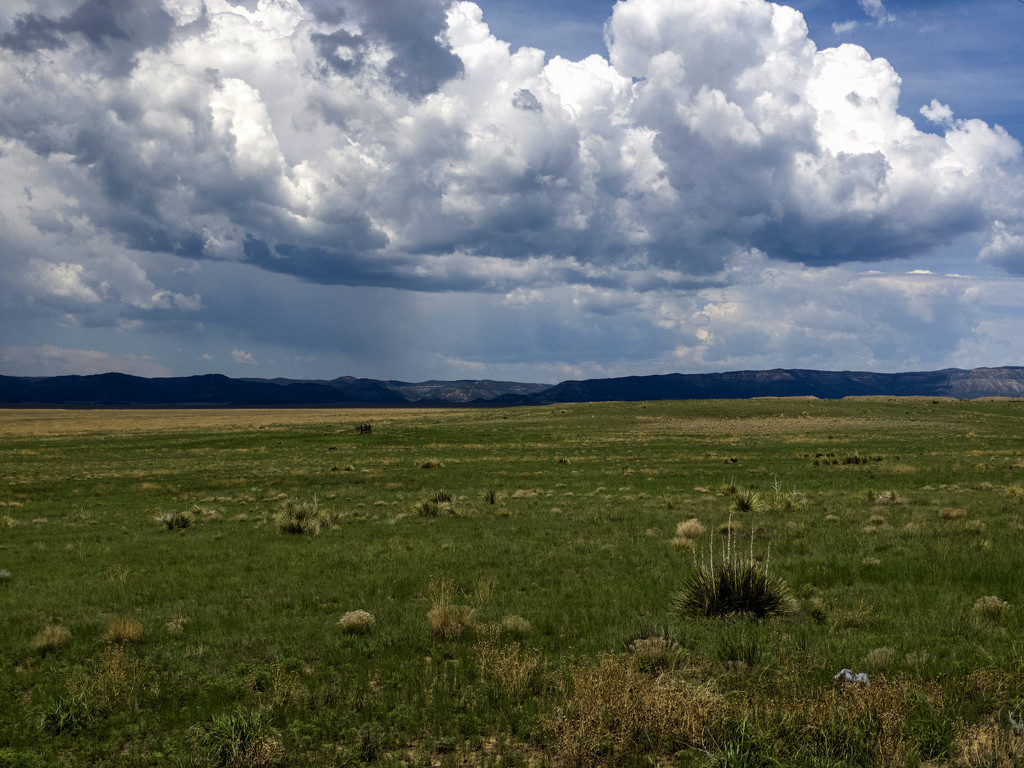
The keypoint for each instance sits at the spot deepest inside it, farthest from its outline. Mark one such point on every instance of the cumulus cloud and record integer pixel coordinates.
(242, 357)
(400, 144)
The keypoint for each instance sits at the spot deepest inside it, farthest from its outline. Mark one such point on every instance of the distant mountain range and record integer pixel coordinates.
(118, 389)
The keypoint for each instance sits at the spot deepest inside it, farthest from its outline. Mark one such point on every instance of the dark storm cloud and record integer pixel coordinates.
(412, 29)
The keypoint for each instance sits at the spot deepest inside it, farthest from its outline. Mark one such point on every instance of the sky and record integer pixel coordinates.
(528, 190)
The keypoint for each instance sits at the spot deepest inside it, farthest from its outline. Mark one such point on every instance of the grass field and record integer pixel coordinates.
(173, 585)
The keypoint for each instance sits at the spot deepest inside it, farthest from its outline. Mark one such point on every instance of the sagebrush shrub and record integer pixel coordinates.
(358, 622)
(689, 529)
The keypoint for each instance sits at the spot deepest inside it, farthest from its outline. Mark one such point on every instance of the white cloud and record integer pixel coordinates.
(843, 27)
(876, 10)
(655, 192)
(243, 358)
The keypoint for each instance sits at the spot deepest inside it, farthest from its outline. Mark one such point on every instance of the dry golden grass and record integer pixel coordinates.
(123, 629)
(513, 667)
(358, 622)
(50, 637)
(952, 514)
(880, 658)
(612, 713)
(690, 529)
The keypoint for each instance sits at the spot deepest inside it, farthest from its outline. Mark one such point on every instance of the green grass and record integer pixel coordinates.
(551, 532)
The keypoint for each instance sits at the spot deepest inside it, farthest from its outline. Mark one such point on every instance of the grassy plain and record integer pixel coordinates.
(523, 615)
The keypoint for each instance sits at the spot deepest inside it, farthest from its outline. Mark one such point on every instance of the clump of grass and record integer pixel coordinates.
(441, 503)
(300, 517)
(6, 521)
(975, 526)
(490, 497)
(176, 521)
(732, 586)
(243, 739)
(888, 497)
(358, 622)
(513, 667)
(5, 576)
(614, 715)
(431, 464)
(67, 714)
(176, 625)
(656, 654)
(991, 608)
(880, 658)
(123, 629)
(51, 637)
(952, 514)
(516, 626)
(690, 529)
(448, 619)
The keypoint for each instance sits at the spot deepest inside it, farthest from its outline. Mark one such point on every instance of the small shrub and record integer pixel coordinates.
(176, 625)
(176, 521)
(357, 622)
(656, 654)
(446, 618)
(991, 608)
(689, 529)
(65, 715)
(243, 739)
(300, 517)
(513, 667)
(50, 637)
(888, 497)
(682, 544)
(123, 629)
(450, 621)
(490, 497)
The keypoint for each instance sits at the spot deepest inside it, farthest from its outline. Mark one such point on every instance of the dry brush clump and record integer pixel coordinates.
(357, 622)
(123, 629)
(991, 608)
(656, 653)
(446, 618)
(613, 714)
(176, 521)
(515, 668)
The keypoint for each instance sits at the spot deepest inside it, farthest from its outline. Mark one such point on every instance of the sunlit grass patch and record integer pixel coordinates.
(51, 637)
(123, 629)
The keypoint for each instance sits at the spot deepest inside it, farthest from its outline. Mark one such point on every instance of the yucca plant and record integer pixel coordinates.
(300, 517)
(175, 521)
(732, 586)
